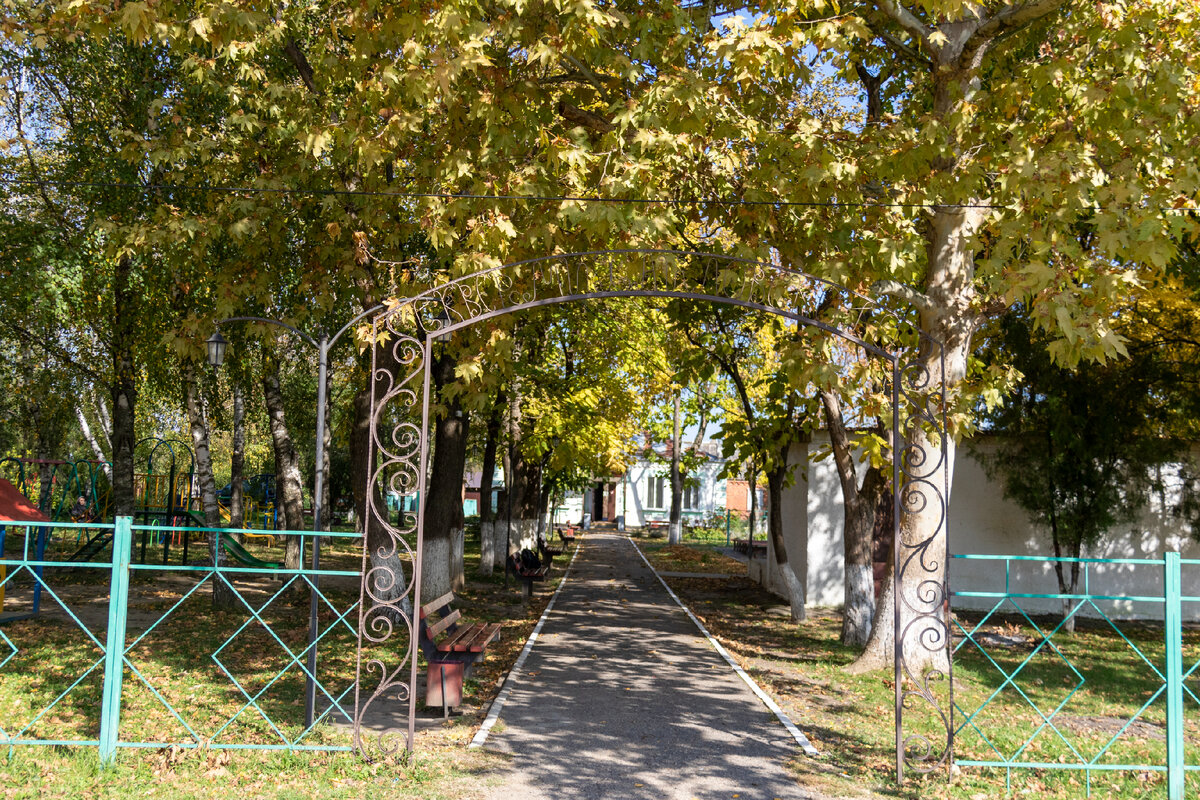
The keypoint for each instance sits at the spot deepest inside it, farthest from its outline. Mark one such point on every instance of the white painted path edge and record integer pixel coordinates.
(511, 680)
(796, 733)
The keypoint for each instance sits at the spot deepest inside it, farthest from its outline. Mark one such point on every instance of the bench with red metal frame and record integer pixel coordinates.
(450, 657)
(527, 575)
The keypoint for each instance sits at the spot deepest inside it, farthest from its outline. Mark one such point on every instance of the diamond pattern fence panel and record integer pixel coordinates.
(1079, 689)
(113, 654)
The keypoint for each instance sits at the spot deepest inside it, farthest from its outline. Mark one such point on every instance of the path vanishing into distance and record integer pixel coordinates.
(621, 696)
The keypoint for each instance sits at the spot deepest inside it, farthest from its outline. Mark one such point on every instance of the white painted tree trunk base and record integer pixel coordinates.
(487, 548)
(859, 610)
(795, 591)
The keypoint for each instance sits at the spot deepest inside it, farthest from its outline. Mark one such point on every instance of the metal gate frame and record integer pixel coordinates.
(398, 458)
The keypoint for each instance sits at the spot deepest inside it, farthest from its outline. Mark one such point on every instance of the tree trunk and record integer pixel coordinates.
(360, 454)
(237, 460)
(858, 526)
(91, 439)
(223, 595)
(326, 446)
(675, 522)
(795, 587)
(487, 514)
(288, 481)
(124, 391)
(522, 481)
(443, 502)
(752, 478)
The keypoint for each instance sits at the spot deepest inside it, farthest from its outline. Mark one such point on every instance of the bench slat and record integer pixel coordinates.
(480, 640)
(443, 623)
(450, 644)
(429, 608)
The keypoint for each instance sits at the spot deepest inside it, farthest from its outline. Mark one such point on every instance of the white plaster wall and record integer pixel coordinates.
(827, 552)
(711, 494)
(982, 521)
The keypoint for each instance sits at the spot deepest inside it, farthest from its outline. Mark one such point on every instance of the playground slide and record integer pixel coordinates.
(238, 553)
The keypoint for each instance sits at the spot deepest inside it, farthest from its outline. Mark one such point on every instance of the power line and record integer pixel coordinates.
(688, 201)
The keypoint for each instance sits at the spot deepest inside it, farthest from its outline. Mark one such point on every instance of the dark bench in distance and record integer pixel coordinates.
(549, 552)
(656, 527)
(527, 574)
(450, 650)
(567, 535)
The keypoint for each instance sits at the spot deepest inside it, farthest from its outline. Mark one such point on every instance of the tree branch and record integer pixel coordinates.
(906, 293)
(297, 57)
(1008, 19)
(906, 20)
(584, 119)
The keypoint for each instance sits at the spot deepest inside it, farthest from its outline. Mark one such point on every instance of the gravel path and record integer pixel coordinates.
(621, 697)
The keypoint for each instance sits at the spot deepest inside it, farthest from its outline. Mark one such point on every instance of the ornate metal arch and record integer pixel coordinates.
(403, 333)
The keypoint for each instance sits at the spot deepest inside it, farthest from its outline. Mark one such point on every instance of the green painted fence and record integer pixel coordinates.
(128, 655)
(1029, 696)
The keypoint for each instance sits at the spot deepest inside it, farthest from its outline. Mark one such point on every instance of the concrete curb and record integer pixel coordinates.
(513, 674)
(796, 733)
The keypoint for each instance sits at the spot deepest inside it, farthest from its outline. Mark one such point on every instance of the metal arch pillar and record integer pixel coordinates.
(400, 460)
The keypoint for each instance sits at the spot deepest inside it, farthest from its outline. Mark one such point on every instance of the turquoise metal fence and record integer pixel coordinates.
(1027, 675)
(125, 655)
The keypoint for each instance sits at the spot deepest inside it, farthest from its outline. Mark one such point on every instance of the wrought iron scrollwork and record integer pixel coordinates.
(401, 336)
(921, 591)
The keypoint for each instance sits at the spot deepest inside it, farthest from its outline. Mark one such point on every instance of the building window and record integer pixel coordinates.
(654, 492)
(691, 497)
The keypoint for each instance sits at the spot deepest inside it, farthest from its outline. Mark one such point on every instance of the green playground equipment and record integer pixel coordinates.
(243, 556)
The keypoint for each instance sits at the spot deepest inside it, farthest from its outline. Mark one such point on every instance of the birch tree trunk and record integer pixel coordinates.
(124, 391)
(288, 482)
(237, 460)
(91, 439)
(223, 595)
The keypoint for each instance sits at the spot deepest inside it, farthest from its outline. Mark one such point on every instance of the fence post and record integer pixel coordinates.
(1173, 625)
(114, 640)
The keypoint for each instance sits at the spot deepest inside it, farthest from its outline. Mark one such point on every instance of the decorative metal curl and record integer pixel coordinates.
(402, 333)
(922, 614)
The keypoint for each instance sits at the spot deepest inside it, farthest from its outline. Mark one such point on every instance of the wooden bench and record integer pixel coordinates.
(450, 651)
(567, 535)
(548, 552)
(749, 547)
(526, 575)
(654, 527)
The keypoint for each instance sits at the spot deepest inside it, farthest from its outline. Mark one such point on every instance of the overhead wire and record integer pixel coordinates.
(379, 193)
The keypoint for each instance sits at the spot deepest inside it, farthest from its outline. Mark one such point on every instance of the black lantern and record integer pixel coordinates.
(444, 322)
(216, 349)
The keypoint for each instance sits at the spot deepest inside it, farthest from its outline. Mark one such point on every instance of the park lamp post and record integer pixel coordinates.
(217, 346)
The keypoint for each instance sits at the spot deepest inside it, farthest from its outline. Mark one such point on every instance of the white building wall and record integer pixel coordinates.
(982, 521)
(637, 509)
(811, 511)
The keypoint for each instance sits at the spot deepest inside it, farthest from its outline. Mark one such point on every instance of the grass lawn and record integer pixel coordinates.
(176, 659)
(849, 717)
